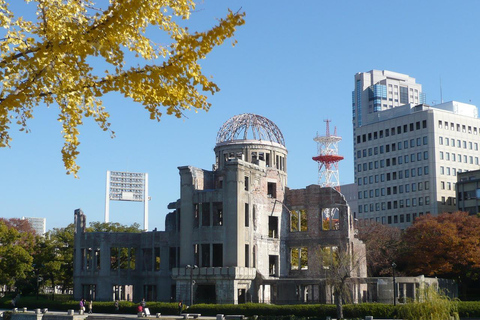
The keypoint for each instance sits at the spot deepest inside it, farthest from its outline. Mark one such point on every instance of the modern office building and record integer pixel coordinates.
(407, 156)
(37, 224)
(468, 192)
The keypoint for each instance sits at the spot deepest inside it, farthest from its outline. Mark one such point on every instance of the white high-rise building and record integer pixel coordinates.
(379, 90)
(37, 224)
(407, 156)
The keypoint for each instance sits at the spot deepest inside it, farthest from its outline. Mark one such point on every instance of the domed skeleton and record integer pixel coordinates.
(240, 127)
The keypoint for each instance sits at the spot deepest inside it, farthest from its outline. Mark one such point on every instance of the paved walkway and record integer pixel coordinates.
(100, 316)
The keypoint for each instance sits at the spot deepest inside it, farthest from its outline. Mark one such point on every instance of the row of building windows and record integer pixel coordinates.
(407, 173)
(449, 171)
(372, 165)
(458, 157)
(392, 147)
(386, 191)
(395, 204)
(460, 143)
(447, 185)
(392, 131)
(458, 127)
(400, 218)
(451, 201)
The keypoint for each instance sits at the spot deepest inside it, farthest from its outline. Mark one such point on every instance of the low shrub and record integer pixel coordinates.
(468, 309)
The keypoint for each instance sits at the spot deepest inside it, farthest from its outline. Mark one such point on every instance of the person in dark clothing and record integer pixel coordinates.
(180, 307)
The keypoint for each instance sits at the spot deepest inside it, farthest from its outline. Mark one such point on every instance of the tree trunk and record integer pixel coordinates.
(52, 279)
(339, 303)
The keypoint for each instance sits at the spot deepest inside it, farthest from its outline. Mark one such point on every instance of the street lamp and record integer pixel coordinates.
(394, 265)
(191, 280)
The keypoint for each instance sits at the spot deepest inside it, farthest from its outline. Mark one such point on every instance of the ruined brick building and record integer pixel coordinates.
(237, 234)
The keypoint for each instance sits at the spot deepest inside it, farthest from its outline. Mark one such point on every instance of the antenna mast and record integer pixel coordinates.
(328, 158)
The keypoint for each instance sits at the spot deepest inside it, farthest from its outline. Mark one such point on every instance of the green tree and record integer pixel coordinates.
(62, 243)
(15, 258)
(49, 61)
(97, 226)
(47, 262)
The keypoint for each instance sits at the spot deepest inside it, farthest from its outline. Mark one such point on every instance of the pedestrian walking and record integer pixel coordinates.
(82, 305)
(180, 307)
(117, 307)
(90, 307)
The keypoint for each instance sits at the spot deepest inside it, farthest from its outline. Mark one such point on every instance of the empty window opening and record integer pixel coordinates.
(157, 258)
(299, 258)
(298, 220)
(150, 292)
(122, 258)
(205, 249)
(173, 258)
(205, 214)
(122, 293)
(328, 255)
(246, 183)
(89, 291)
(196, 254)
(220, 183)
(254, 157)
(273, 266)
(242, 296)
(272, 227)
(247, 256)
(247, 215)
(217, 257)
(97, 259)
(89, 258)
(272, 190)
(217, 213)
(196, 215)
(83, 253)
(330, 219)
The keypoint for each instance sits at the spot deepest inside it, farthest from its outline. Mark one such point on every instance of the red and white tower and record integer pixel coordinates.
(328, 158)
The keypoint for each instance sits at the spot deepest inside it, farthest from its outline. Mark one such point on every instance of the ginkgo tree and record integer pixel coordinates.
(49, 61)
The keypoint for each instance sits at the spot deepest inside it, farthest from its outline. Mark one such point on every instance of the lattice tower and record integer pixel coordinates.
(328, 158)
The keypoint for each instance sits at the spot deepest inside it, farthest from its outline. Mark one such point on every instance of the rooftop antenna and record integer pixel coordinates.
(441, 94)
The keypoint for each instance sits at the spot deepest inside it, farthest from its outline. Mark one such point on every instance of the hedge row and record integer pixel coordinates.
(466, 309)
(126, 307)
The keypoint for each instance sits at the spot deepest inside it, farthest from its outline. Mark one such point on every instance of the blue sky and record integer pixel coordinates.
(294, 64)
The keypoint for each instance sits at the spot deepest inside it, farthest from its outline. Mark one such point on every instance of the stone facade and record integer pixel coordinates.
(236, 234)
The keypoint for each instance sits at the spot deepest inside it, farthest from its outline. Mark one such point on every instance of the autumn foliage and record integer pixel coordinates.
(49, 61)
(447, 245)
